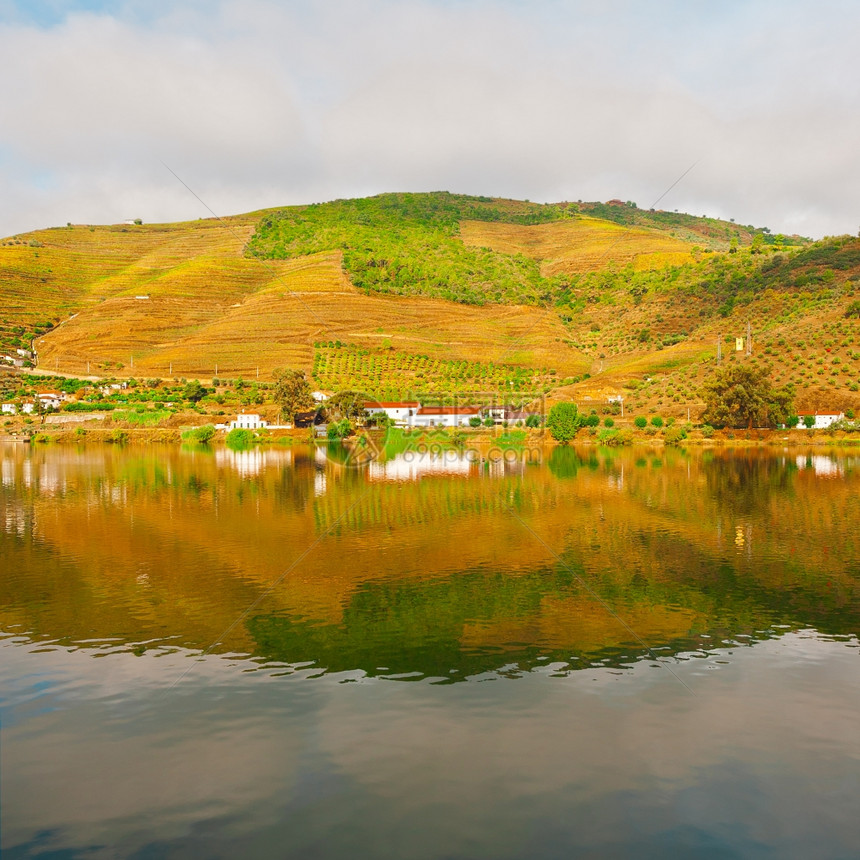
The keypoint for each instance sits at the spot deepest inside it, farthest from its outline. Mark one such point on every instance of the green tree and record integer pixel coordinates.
(563, 421)
(742, 396)
(292, 393)
(641, 422)
(809, 421)
(194, 391)
(346, 405)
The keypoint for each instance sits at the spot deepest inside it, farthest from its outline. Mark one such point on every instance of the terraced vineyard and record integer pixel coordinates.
(630, 303)
(393, 375)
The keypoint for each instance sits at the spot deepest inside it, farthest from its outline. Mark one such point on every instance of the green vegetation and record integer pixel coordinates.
(393, 374)
(408, 244)
(200, 435)
(563, 422)
(292, 393)
(239, 438)
(743, 396)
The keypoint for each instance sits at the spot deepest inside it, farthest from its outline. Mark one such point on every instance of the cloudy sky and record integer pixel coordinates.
(256, 103)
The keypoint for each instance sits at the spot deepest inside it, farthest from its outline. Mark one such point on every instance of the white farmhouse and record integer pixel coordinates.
(248, 421)
(400, 412)
(9, 409)
(49, 400)
(822, 419)
(445, 416)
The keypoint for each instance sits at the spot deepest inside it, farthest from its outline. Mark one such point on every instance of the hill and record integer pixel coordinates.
(587, 299)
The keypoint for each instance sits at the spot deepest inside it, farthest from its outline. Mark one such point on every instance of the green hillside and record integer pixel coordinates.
(589, 300)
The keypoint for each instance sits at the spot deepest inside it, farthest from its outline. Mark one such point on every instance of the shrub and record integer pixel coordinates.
(640, 421)
(239, 437)
(488, 422)
(707, 431)
(657, 421)
(593, 420)
(474, 421)
(201, 435)
(563, 421)
(608, 422)
(614, 437)
(533, 421)
(674, 435)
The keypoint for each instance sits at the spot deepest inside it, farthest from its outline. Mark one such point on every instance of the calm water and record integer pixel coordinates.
(273, 653)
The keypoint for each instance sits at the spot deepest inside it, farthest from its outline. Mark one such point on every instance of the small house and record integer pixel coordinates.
(821, 420)
(248, 421)
(445, 416)
(9, 409)
(400, 412)
(49, 400)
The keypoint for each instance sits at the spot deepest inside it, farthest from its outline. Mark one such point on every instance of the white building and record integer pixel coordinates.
(400, 412)
(445, 416)
(248, 421)
(9, 409)
(27, 407)
(49, 400)
(822, 419)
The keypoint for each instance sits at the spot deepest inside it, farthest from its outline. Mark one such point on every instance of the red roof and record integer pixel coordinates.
(449, 410)
(390, 404)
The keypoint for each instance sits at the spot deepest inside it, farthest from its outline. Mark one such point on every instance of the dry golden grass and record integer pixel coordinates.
(581, 245)
(212, 311)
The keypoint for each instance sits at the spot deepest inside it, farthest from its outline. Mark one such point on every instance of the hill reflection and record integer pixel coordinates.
(444, 568)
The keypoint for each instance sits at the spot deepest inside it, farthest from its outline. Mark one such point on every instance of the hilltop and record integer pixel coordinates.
(581, 300)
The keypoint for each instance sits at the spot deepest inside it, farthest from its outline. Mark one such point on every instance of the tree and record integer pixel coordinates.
(346, 405)
(292, 392)
(194, 391)
(563, 422)
(742, 396)
(809, 421)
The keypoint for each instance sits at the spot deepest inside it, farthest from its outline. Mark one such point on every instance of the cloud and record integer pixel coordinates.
(259, 104)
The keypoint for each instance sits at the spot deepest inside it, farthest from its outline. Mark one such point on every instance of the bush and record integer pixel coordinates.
(657, 421)
(533, 421)
(640, 421)
(474, 421)
(674, 435)
(488, 422)
(563, 421)
(608, 422)
(707, 431)
(201, 435)
(239, 437)
(613, 437)
(593, 420)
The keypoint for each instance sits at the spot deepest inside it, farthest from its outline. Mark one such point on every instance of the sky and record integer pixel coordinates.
(178, 110)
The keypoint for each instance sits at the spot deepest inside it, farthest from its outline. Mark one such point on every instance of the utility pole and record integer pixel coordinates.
(171, 369)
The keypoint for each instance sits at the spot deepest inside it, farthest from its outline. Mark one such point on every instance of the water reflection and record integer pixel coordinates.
(415, 563)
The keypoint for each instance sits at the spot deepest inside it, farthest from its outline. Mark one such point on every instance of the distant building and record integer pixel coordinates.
(9, 409)
(49, 400)
(445, 416)
(822, 419)
(399, 411)
(506, 414)
(248, 421)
